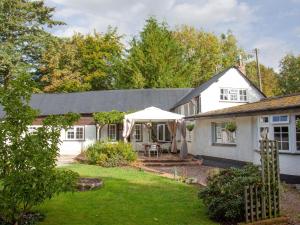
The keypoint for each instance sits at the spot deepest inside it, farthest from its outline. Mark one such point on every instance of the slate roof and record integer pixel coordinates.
(196, 91)
(104, 101)
(288, 103)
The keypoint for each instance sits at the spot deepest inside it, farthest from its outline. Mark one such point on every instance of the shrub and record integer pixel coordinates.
(109, 154)
(28, 159)
(224, 194)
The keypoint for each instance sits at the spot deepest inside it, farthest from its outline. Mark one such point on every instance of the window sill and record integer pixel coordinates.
(74, 140)
(225, 145)
(228, 101)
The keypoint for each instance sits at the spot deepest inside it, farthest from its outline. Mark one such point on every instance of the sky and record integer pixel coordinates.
(272, 26)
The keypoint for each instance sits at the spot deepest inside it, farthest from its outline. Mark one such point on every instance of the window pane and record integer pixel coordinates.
(285, 129)
(285, 146)
(167, 134)
(79, 133)
(285, 137)
(298, 145)
(276, 129)
(160, 132)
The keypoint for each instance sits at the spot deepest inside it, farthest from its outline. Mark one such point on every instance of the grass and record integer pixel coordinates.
(128, 197)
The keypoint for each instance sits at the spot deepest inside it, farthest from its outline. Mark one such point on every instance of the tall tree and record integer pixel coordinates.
(289, 76)
(207, 53)
(230, 50)
(154, 60)
(22, 35)
(82, 62)
(270, 82)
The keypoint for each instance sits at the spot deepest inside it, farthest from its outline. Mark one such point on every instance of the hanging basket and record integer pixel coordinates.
(230, 126)
(190, 127)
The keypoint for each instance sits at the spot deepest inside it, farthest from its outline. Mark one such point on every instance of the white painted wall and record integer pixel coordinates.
(75, 147)
(202, 143)
(210, 98)
(247, 143)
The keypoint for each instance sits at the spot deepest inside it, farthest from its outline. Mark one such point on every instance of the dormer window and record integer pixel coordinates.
(233, 95)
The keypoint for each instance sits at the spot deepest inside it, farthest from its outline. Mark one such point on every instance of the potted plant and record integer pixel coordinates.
(230, 126)
(190, 126)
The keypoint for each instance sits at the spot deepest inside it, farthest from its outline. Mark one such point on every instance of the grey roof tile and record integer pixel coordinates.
(101, 101)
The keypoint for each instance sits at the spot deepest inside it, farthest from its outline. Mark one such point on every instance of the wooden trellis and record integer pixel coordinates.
(262, 201)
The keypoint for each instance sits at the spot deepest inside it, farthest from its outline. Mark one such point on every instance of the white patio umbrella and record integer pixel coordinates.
(153, 114)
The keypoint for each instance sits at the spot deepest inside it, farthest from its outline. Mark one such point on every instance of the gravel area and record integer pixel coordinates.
(198, 172)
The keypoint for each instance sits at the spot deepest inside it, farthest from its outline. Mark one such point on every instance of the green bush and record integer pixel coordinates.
(224, 194)
(109, 154)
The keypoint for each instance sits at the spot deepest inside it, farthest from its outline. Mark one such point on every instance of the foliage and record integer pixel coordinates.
(154, 59)
(109, 154)
(27, 159)
(230, 126)
(112, 117)
(298, 123)
(80, 63)
(206, 53)
(270, 82)
(22, 35)
(289, 76)
(224, 194)
(190, 126)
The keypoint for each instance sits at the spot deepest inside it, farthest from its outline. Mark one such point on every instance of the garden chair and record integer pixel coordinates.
(153, 148)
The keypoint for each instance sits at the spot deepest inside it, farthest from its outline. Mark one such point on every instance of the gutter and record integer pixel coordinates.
(247, 113)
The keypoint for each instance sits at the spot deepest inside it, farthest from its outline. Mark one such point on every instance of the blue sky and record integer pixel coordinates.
(271, 26)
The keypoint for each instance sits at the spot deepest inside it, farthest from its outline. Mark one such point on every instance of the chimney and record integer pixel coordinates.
(241, 65)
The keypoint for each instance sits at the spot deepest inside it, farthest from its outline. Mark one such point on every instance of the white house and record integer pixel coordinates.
(275, 117)
(227, 96)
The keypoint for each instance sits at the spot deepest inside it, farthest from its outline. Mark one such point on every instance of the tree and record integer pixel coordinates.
(104, 118)
(154, 60)
(22, 35)
(289, 76)
(80, 63)
(230, 50)
(27, 158)
(207, 53)
(270, 81)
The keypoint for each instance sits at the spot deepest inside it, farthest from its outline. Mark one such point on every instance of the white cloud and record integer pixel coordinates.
(129, 16)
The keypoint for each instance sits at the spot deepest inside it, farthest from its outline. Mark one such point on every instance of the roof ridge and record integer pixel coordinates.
(111, 90)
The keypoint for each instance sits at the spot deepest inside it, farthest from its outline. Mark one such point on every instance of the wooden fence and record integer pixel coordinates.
(262, 201)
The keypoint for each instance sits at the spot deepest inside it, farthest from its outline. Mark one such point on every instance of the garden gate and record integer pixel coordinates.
(262, 201)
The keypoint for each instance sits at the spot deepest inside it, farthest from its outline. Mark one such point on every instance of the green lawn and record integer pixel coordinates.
(129, 197)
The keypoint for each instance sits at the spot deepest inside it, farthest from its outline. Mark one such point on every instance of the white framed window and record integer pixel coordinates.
(75, 133)
(224, 94)
(281, 134)
(112, 132)
(163, 133)
(264, 119)
(233, 94)
(243, 95)
(280, 119)
(221, 135)
(138, 132)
